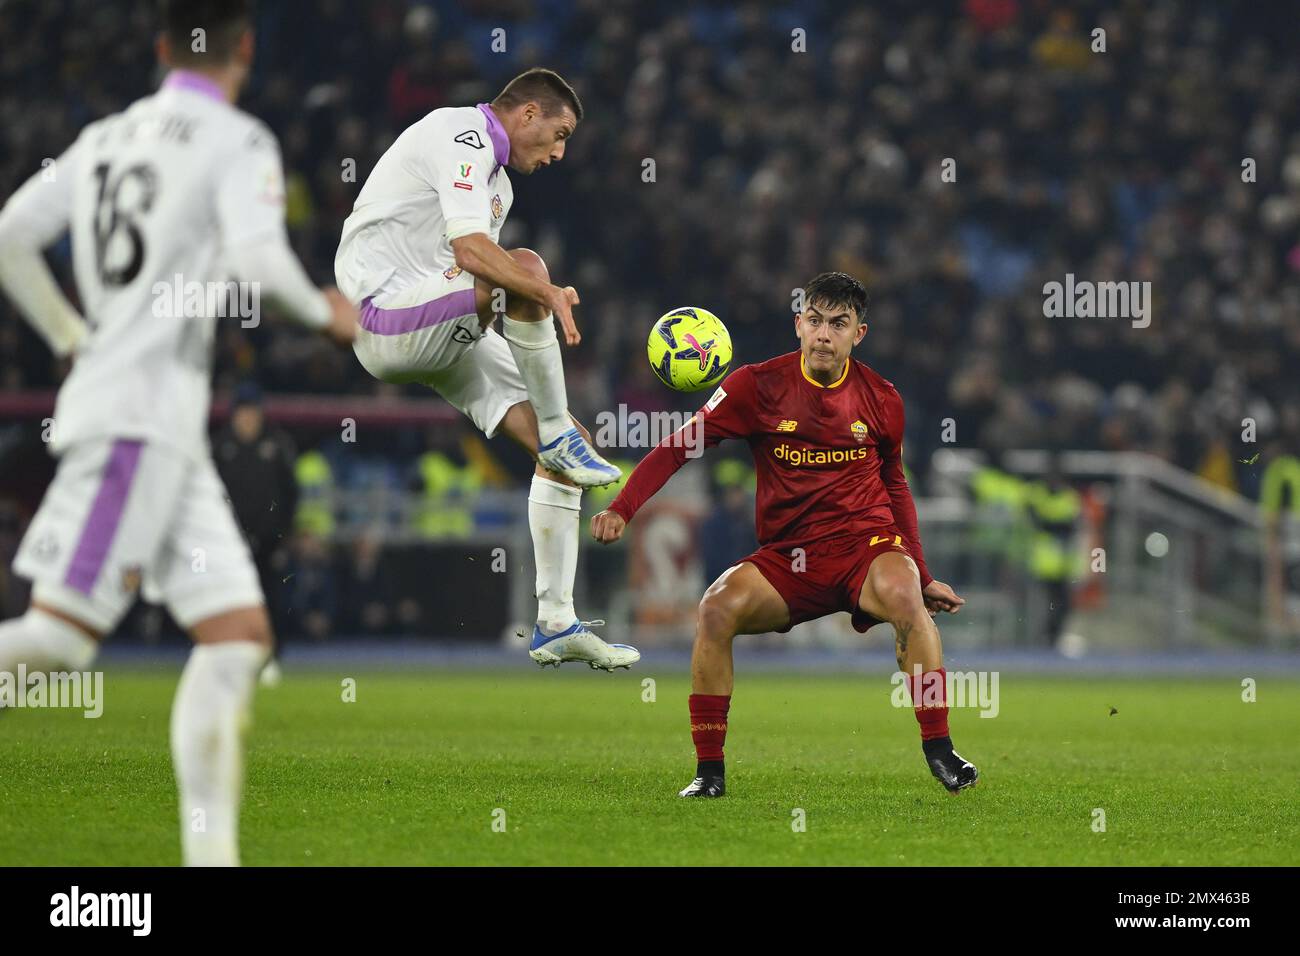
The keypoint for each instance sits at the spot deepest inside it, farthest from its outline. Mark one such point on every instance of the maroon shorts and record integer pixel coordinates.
(827, 576)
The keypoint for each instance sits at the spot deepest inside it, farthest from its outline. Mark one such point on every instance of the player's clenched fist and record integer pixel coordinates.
(607, 527)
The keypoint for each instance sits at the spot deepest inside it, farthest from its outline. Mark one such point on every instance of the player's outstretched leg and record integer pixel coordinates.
(529, 329)
(554, 504)
(892, 592)
(741, 601)
(210, 716)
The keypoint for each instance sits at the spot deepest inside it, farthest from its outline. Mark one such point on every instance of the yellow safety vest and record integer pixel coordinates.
(1050, 559)
(731, 473)
(997, 490)
(315, 483)
(446, 510)
(1281, 474)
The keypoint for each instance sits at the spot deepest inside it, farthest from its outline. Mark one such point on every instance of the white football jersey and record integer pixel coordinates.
(153, 197)
(443, 178)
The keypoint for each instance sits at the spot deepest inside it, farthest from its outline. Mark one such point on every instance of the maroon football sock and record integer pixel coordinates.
(709, 725)
(930, 700)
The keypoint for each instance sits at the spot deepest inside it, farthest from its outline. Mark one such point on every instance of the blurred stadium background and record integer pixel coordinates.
(1173, 447)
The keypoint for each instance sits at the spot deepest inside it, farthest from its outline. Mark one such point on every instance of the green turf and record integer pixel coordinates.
(587, 773)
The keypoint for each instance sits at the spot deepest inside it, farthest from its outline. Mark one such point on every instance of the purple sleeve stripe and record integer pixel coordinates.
(445, 308)
(105, 515)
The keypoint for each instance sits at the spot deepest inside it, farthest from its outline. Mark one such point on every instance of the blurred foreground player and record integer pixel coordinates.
(836, 524)
(181, 184)
(419, 256)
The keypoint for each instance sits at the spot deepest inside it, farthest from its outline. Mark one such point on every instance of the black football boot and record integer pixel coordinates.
(950, 768)
(710, 780)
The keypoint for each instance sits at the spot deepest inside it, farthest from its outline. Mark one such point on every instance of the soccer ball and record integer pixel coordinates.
(689, 349)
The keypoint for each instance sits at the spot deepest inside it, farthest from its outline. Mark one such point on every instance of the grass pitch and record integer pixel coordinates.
(418, 769)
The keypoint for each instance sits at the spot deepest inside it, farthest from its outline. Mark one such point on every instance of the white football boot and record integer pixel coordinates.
(577, 643)
(571, 456)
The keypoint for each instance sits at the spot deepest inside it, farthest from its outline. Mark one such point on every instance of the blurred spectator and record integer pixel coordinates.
(369, 602)
(310, 590)
(727, 534)
(256, 464)
(1055, 509)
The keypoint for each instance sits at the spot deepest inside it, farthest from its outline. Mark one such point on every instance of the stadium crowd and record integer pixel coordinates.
(771, 165)
(788, 139)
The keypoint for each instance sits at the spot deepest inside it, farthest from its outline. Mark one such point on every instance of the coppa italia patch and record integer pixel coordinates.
(465, 170)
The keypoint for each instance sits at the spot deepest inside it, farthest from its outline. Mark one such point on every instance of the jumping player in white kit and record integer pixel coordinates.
(419, 256)
(180, 189)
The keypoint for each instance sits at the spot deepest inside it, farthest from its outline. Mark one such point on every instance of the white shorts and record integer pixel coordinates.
(431, 334)
(123, 516)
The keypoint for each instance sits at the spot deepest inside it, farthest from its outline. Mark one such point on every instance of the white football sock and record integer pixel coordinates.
(553, 511)
(209, 718)
(536, 349)
(43, 642)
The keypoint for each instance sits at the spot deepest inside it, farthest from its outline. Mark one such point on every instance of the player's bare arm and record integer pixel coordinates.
(478, 255)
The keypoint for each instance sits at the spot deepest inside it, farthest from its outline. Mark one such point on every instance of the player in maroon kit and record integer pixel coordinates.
(836, 523)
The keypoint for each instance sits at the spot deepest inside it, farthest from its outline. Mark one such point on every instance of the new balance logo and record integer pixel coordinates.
(786, 425)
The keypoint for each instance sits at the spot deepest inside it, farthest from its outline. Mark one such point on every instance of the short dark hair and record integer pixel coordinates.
(838, 289)
(544, 87)
(223, 22)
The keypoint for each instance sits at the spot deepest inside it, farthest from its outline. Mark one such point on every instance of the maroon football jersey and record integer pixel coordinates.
(828, 458)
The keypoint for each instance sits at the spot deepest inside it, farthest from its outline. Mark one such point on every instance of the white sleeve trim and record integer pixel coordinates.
(465, 227)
